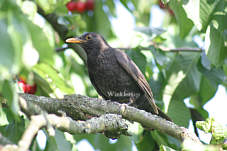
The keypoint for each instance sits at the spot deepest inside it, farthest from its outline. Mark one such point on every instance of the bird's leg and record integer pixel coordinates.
(131, 101)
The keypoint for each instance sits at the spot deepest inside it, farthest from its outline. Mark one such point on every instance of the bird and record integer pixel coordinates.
(114, 75)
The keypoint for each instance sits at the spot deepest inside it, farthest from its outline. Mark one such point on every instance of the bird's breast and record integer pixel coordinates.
(112, 79)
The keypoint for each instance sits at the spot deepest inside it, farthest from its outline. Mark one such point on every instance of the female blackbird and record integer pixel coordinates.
(114, 75)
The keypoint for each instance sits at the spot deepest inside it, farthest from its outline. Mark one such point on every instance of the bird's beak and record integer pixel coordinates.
(74, 40)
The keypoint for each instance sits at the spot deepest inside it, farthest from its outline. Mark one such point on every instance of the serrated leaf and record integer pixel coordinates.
(40, 42)
(206, 126)
(192, 81)
(182, 67)
(185, 23)
(215, 40)
(215, 49)
(202, 12)
(53, 78)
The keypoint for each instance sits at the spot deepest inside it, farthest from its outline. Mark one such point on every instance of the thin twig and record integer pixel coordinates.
(167, 49)
(61, 49)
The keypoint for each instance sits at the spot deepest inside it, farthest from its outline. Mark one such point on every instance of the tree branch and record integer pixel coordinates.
(107, 122)
(82, 107)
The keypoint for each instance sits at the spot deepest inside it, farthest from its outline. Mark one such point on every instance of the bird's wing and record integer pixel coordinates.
(131, 68)
(96, 86)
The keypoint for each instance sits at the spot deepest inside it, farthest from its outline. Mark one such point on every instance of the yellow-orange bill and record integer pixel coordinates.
(73, 40)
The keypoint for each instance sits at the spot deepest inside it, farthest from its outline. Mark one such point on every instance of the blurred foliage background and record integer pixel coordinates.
(28, 44)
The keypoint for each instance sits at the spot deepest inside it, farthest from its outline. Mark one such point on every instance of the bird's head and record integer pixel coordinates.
(90, 42)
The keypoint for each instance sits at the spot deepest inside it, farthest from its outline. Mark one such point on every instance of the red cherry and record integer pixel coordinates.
(89, 4)
(71, 6)
(31, 89)
(161, 4)
(80, 7)
(76, 6)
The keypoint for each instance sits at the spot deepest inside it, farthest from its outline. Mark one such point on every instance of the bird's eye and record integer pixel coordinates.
(88, 37)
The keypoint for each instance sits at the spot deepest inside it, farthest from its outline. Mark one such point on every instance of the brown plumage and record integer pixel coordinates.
(114, 75)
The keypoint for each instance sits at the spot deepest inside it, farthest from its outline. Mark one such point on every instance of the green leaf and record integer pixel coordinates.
(102, 143)
(185, 23)
(216, 76)
(206, 126)
(7, 53)
(207, 90)
(182, 74)
(215, 40)
(3, 117)
(138, 58)
(166, 148)
(125, 4)
(142, 11)
(179, 113)
(205, 61)
(10, 94)
(136, 131)
(62, 143)
(183, 66)
(147, 142)
(111, 6)
(217, 130)
(14, 130)
(49, 5)
(150, 31)
(156, 86)
(53, 78)
(215, 49)
(51, 144)
(41, 42)
(202, 12)
(29, 8)
(162, 139)
(192, 81)
(100, 22)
